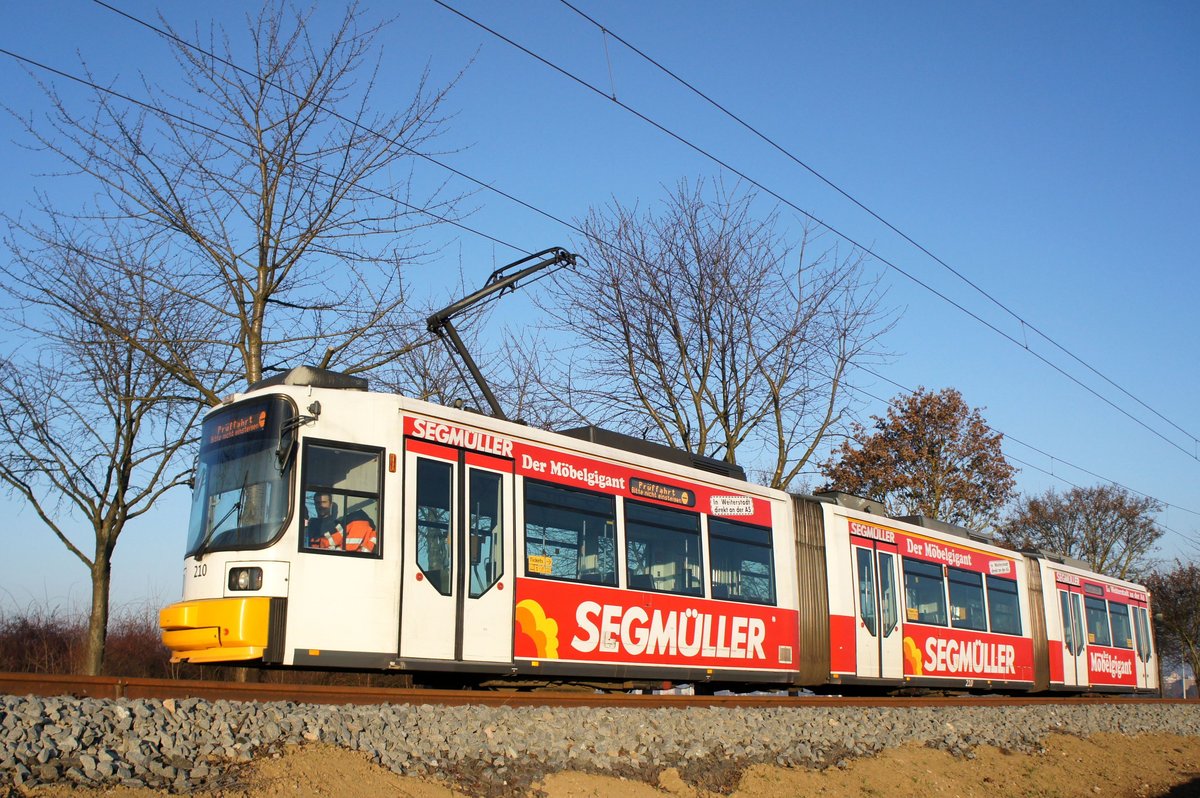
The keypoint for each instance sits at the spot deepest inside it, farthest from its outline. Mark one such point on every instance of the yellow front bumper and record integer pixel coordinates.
(216, 630)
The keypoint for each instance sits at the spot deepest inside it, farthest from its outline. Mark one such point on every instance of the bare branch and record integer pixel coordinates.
(702, 319)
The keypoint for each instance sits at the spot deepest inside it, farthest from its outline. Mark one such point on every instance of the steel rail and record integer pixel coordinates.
(113, 687)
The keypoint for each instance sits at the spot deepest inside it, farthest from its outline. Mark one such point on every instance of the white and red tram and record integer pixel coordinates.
(333, 527)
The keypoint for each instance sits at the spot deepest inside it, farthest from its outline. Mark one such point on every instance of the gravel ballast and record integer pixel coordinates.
(182, 745)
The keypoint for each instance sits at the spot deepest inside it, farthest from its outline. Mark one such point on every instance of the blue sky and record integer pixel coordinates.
(1045, 151)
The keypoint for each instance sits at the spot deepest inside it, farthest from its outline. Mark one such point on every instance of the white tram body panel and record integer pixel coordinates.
(333, 527)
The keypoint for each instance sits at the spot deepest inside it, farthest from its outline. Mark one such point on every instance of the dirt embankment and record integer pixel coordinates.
(1105, 765)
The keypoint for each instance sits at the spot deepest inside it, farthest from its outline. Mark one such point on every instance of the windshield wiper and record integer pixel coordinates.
(237, 506)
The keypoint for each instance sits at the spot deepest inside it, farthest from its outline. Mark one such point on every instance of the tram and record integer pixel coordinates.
(333, 527)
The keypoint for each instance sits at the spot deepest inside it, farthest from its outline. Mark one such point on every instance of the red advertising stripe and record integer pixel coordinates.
(842, 644)
(584, 472)
(431, 449)
(937, 651)
(1056, 661)
(584, 623)
(1125, 595)
(1111, 666)
(942, 552)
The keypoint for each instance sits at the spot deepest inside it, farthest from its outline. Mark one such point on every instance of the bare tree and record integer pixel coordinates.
(699, 326)
(1110, 528)
(1176, 597)
(92, 431)
(931, 455)
(283, 201)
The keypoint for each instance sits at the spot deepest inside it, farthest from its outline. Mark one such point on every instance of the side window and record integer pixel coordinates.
(487, 535)
(887, 593)
(1004, 609)
(341, 500)
(1077, 623)
(570, 534)
(1139, 632)
(865, 570)
(924, 592)
(966, 600)
(741, 562)
(435, 518)
(1144, 634)
(1068, 629)
(1097, 621)
(662, 549)
(1119, 616)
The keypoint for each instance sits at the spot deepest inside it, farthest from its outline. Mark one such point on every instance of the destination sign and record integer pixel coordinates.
(663, 493)
(250, 420)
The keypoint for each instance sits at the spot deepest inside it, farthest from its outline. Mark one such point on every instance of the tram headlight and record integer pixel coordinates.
(245, 578)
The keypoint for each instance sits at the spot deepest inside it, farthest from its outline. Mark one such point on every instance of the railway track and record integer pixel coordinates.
(162, 689)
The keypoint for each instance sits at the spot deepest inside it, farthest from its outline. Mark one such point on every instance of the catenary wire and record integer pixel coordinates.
(811, 170)
(357, 123)
(836, 231)
(1020, 442)
(158, 110)
(571, 226)
(228, 137)
(1191, 540)
(231, 138)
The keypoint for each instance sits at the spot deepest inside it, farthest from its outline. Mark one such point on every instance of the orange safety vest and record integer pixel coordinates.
(360, 536)
(331, 540)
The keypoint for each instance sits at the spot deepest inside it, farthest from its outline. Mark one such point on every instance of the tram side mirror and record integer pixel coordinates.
(286, 451)
(476, 548)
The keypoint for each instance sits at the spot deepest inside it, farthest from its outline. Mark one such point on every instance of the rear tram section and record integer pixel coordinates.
(333, 527)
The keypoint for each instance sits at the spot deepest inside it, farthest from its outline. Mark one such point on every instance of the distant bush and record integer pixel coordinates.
(41, 641)
(134, 646)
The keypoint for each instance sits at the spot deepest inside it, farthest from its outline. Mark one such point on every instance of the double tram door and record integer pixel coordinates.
(456, 599)
(1075, 668)
(879, 645)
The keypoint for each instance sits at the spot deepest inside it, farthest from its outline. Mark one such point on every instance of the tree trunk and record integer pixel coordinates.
(97, 635)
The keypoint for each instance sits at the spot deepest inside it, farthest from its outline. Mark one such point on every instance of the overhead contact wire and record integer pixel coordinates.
(811, 170)
(159, 110)
(844, 236)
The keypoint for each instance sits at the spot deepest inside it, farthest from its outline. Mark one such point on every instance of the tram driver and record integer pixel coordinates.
(323, 525)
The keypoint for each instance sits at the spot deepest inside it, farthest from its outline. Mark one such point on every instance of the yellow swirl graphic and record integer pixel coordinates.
(534, 624)
(912, 655)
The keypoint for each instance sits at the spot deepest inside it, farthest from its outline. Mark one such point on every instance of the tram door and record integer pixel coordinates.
(1075, 669)
(457, 573)
(880, 649)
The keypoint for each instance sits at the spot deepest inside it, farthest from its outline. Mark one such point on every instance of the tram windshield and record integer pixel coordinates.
(242, 489)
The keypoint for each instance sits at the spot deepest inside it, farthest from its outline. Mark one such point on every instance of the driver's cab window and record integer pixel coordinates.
(341, 511)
